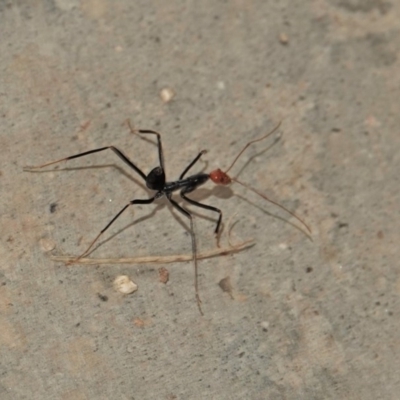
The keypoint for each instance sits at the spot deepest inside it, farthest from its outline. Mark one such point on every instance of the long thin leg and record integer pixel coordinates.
(160, 150)
(137, 201)
(194, 250)
(147, 131)
(205, 206)
(119, 153)
(192, 163)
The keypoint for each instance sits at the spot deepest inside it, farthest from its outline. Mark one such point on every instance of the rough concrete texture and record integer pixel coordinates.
(308, 319)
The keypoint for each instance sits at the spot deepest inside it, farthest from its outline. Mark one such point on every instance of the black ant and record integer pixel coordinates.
(156, 181)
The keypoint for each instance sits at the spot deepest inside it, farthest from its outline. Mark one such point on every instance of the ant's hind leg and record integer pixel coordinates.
(159, 144)
(87, 251)
(119, 153)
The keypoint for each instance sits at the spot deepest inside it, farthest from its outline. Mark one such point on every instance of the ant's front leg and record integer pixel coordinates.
(205, 206)
(192, 163)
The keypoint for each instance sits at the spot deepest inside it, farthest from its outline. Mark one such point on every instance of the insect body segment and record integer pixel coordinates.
(155, 180)
(219, 177)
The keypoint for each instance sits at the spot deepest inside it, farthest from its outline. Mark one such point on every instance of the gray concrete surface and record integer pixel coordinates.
(308, 320)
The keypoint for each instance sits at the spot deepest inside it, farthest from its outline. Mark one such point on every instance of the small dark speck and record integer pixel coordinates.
(378, 303)
(108, 105)
(53, 207)
(336, 129)
(343, 225)
(78, 324)
(61, 282)
(241, 354)
(309, 269)
(390, 313)
(102, 297)
(265, 330)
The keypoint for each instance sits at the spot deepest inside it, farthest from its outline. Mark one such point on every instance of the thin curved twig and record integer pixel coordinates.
(157, 259)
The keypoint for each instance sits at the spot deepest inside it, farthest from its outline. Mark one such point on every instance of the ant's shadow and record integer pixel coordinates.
(200, 195)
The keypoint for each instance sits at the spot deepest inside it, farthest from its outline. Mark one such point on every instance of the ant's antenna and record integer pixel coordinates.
(222, 178)
(253, 141)
(273, 202)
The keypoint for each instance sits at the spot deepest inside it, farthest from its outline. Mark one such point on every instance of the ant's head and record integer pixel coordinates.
(220, 177)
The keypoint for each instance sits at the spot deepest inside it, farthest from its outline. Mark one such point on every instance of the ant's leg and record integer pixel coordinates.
(205, 206)
(194, 249)
(192, 163)
(138, 201)
(119, 153)
(160, 150)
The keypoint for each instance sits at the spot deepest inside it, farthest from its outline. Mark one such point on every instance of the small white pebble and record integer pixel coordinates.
(47, 244)
(284, 38)
(283, 246)
(167, 94)
(264, 324)
(123, 284)
(221, 85)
